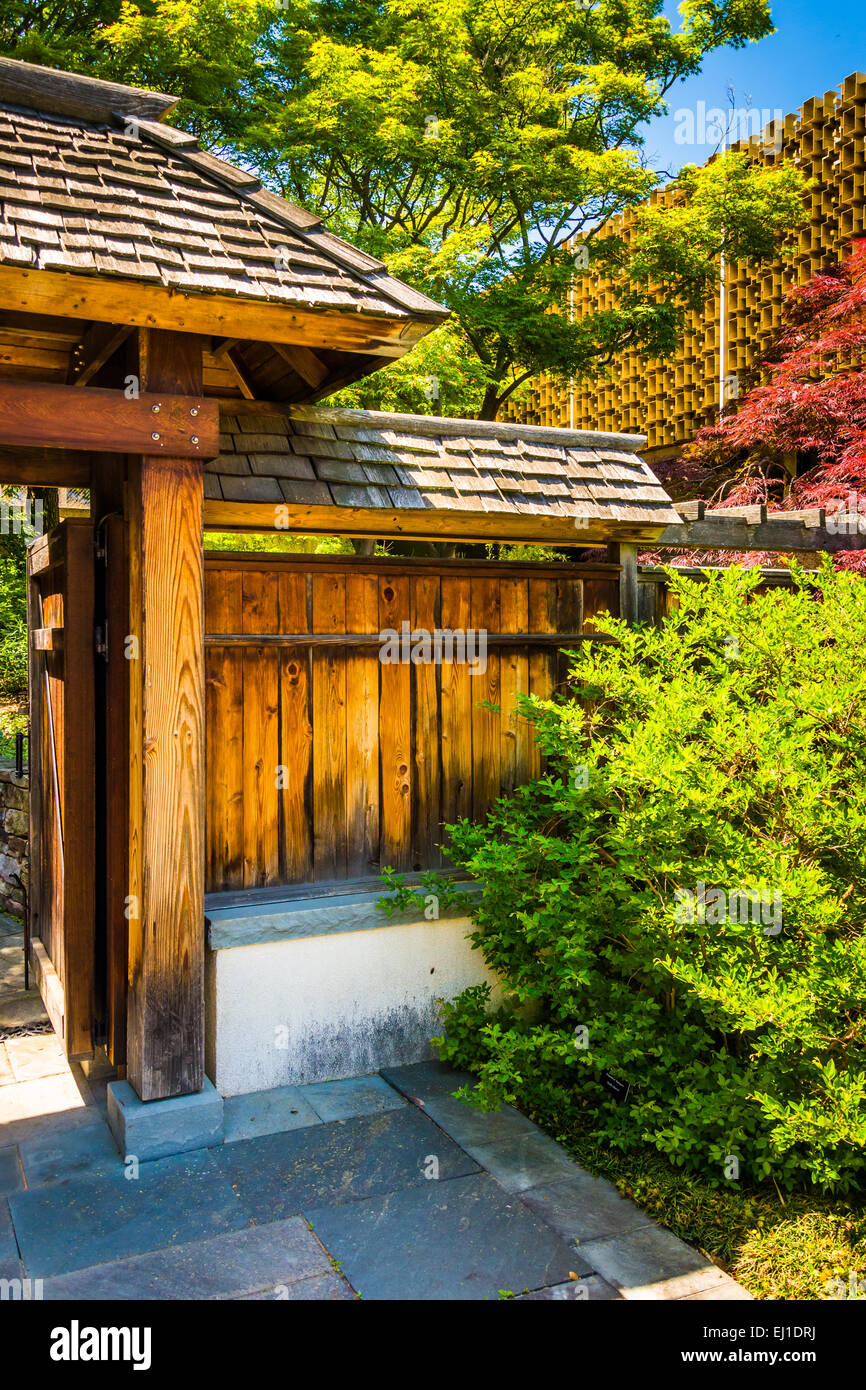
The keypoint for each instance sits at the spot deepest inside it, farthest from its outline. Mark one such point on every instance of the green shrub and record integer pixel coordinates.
(13, 614)
(727, 748)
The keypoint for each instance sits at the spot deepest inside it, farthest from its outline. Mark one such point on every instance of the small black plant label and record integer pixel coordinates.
(618, 1089)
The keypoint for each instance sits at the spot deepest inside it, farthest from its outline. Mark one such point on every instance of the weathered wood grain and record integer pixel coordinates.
(261, 745)
(296, 736)
(165, 1045)
(329, 733)
(39, 414)
(395, 732)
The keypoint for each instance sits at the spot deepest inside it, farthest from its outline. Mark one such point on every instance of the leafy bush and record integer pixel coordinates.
(726, 749)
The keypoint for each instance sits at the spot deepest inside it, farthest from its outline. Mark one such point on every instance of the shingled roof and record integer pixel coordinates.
(313, 457)
(95, 187)
(140, 200)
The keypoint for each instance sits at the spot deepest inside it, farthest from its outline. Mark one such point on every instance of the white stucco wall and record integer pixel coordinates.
(335, 1004)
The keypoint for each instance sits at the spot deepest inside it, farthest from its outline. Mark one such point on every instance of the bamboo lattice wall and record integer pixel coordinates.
(670, 400)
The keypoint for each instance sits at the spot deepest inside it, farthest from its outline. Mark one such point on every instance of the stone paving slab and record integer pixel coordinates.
(423, 1079)
(281, 1174)
(267, 1112)
(18, 1008)
(62, 1157)
(591, 1290)
(459, 1239)
(10, 1265)
(11, 964)
(94, 1220)
(527, 1161)
(261, 1259)
(653, 1263)
(583, 1207)
(468, 1126)
(322, 1288)
(36, 1056)
(623, 1245)
(726, 1290)
(359, 1095)
(52, 1104)
(7, 1075)
(11, 1176)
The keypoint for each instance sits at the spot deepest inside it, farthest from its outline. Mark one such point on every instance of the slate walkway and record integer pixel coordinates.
(17, 1006)
(382, 1187)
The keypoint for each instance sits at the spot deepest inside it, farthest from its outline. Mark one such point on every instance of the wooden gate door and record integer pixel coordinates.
(60, 569)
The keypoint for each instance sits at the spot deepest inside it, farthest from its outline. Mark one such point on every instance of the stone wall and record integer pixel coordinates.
(14, 840)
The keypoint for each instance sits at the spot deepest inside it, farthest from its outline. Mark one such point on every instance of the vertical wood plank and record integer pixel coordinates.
(599, 596)
(362, 729)
(296, 736)
(224, 733)
(456, 705)
(261, 756)
(395, 731)
(515, 733)
(541, 661)
(116, 788)
(426, 824)
(329, 731)
(568, 601)
(484, 686)
(76, 750)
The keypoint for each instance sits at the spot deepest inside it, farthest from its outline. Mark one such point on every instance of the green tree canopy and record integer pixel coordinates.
(470, 145)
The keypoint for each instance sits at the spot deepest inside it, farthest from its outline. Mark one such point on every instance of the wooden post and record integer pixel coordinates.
(625, 555)
(165, 1020)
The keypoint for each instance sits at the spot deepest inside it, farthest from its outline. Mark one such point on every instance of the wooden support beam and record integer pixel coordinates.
(719, 532)
(165, 1021)
(308, 366)
(146, 305)
(625, 555)
(100, 343)
(242, 377)
(45, 467)
(219, 348)
(44, 415)
(422, 524)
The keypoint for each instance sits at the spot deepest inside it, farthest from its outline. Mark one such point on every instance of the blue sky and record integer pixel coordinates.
(815, 46)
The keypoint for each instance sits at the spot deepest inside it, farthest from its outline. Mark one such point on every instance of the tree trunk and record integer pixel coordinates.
(490, 404)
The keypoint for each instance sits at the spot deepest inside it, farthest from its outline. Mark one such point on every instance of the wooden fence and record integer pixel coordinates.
(325, 763)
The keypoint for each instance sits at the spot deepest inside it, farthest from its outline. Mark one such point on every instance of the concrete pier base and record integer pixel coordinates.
(157, 1128)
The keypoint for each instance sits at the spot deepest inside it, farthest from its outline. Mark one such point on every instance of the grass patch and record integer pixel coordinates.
(790, 1246)
(13, 717)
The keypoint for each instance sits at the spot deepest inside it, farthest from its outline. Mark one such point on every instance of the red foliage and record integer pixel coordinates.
(813, 407)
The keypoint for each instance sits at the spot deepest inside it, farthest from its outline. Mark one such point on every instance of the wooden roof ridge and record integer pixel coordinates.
(56, 92)
(444, 426)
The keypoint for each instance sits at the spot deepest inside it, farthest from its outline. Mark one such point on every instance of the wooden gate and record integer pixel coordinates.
(62, 781)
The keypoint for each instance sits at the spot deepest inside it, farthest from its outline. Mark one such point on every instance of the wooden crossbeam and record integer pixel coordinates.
(100, 343)
(46, 415)
(374, 639)
(118, 301)
(308, 366)
(754, 528)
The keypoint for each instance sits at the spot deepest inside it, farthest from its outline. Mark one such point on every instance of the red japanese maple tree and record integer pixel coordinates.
(812, 409)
